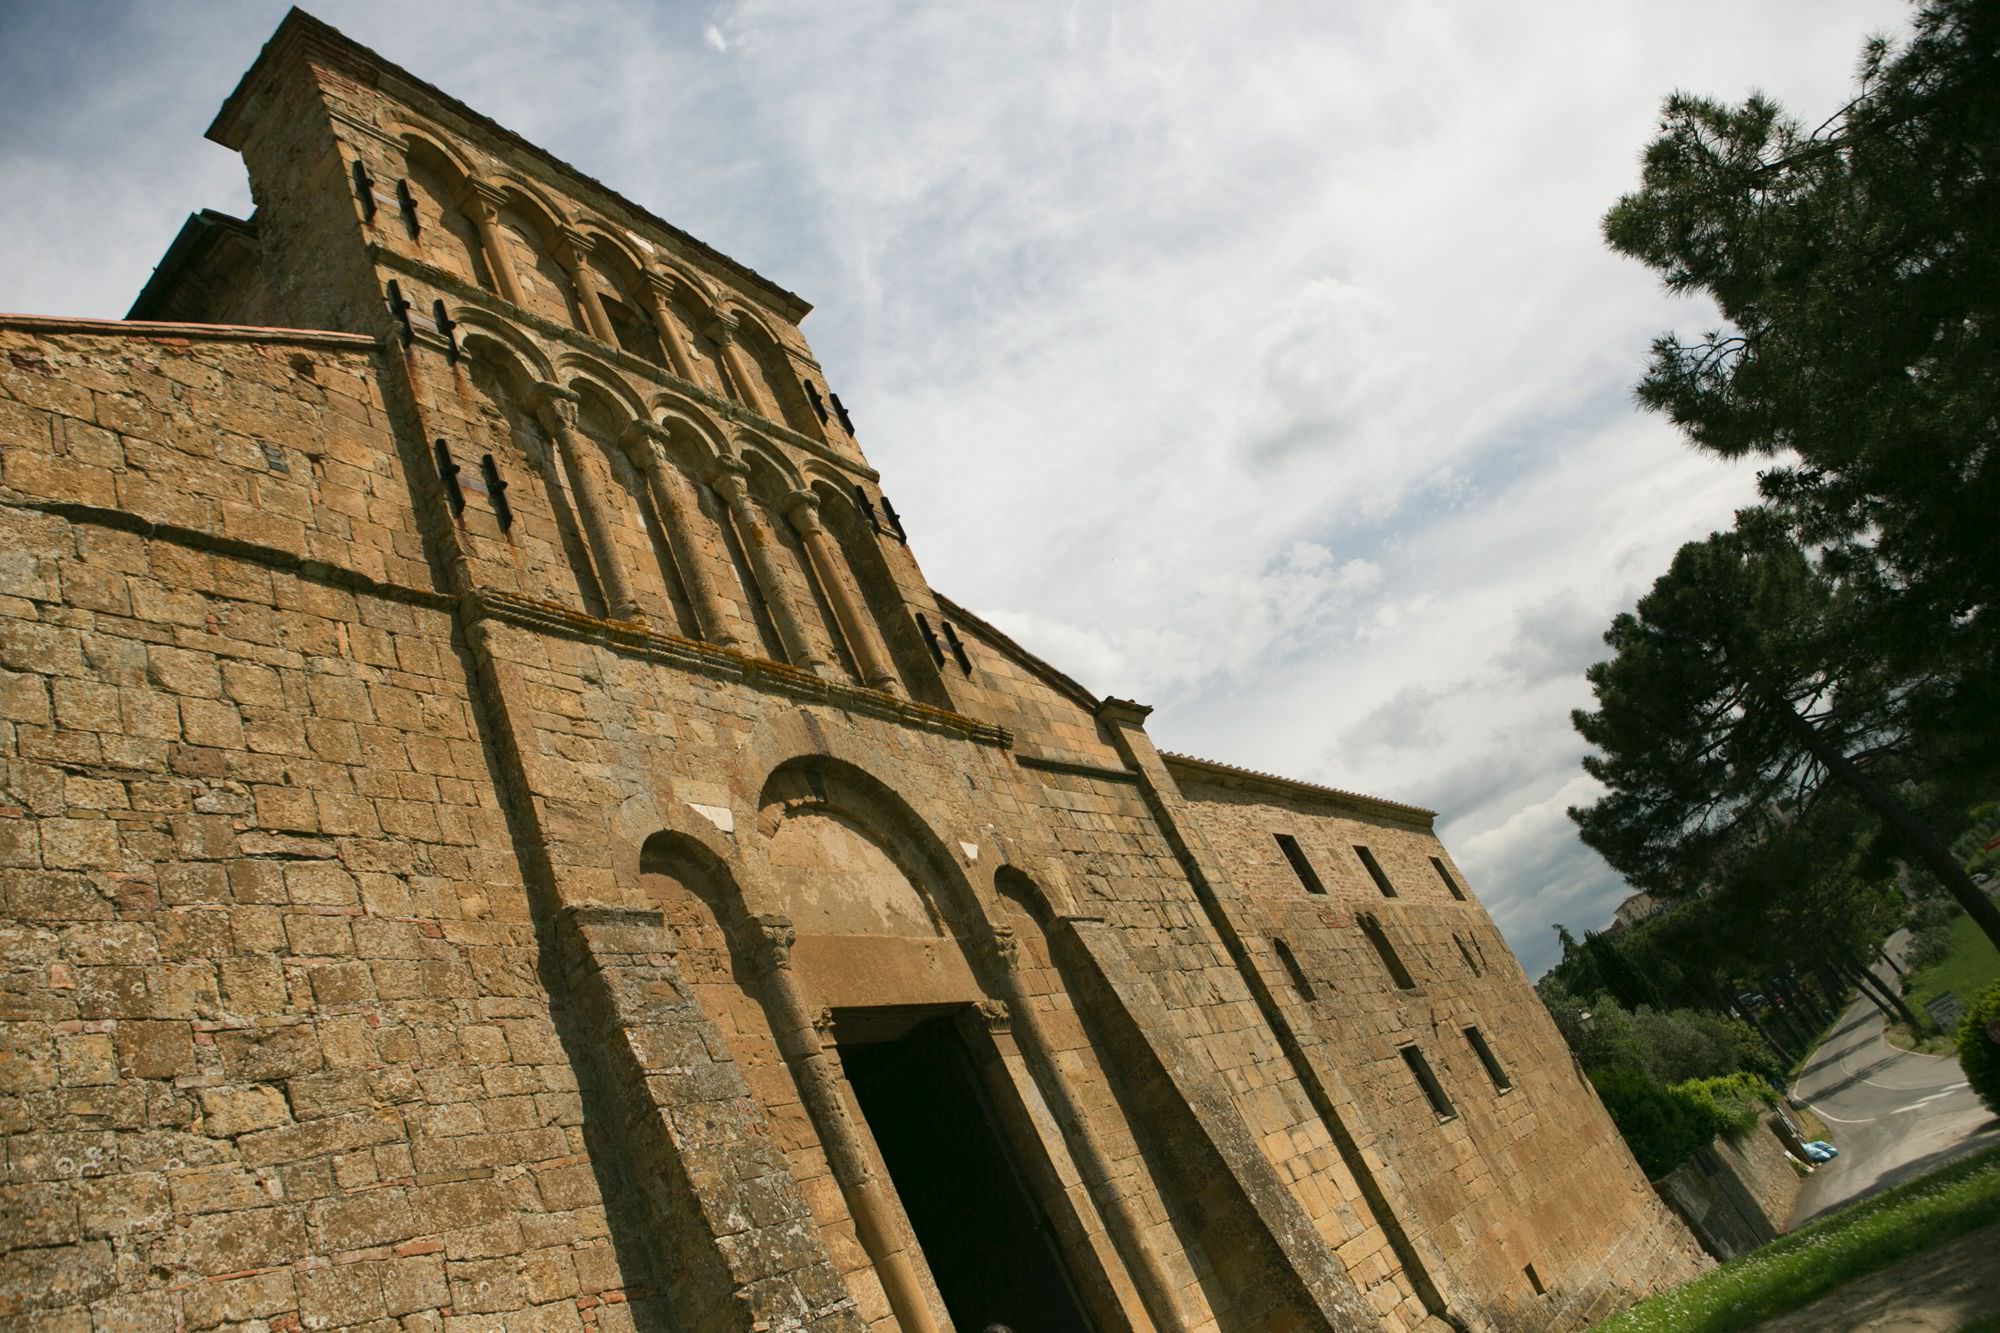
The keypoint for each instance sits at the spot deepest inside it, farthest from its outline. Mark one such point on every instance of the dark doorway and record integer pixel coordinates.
(981, 1233)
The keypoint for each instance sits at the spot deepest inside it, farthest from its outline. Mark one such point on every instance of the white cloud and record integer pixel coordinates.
(1264, 363)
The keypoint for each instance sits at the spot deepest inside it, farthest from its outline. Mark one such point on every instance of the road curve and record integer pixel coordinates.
(1892, 1113)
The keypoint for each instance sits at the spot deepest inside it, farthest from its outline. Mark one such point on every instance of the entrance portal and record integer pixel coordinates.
(981, 1232)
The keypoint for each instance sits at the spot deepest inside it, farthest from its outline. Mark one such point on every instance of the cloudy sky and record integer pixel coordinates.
(1260, 362)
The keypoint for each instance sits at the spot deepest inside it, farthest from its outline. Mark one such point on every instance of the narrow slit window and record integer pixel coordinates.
(448, 474)
(1428, 1081)
(1477, 1041)
(957, 648)
(930, 639)
(1374, 869)
(1300, 982)
(846, 422)
(1449, 882)
(895, 521)
(408, 203)
(448, 327)
(1379, 940)
(818, 403)
(364, 191)
(1300, 865)
(1535, 1280)
(868, 509)
(399, 306)
(496, 491)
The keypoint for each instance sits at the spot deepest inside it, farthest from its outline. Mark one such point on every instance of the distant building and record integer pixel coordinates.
(500, 831)
(1634, 909)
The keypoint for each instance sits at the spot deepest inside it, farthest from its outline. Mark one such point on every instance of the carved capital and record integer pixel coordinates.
(802, 508)
(721, 330)
(1006, 947)
(996, 1016)
(774, 940)
(644, 442)
(553, 405)
(729, 477)
(480, 202)
(572, 250)
(823, 1025)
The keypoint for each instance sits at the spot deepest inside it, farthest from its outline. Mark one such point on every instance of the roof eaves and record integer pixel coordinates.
(1213, 769)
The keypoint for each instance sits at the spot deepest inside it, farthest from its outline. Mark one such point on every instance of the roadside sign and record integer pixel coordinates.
(1945, 1010)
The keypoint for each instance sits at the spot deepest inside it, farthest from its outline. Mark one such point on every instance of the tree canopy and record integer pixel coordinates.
(1736, 698)
(1856, 265)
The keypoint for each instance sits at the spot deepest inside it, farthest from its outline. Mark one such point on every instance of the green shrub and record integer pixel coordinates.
(1978, 1054)
(1665, 1124)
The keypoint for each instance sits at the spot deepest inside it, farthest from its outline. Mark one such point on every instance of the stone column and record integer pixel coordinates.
(727, 476)
(864, 637)
(804, 1038)
(574, 253)
(482, 204)
(555, 408)
(1128, 1229)
(722, 332)
(678, 360)
(645, 445)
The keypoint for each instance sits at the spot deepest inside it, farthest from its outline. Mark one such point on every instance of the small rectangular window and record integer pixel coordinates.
(1433, 1090)
(1374, 869)
(1300, 866)
(1477, 1040)
(1372, 929)
(1449, 882)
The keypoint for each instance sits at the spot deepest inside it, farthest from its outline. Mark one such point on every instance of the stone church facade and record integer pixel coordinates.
(496, 832)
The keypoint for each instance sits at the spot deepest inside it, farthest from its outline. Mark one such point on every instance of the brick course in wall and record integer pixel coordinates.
(470, 773)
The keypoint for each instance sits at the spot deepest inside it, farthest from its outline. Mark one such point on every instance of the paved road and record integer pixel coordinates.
(1892, 1113)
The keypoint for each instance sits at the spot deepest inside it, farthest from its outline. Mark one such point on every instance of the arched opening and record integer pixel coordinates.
(621, 289)
(555, 563)
(532, 238)
(867, 887)
(692, 316)
(445, 237)
(776, 392)
(703, 911)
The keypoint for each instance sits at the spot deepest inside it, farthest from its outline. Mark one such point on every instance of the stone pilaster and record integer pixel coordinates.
(678, 511)
(574, 255)
(864, 637)
(482, 204)
(804, 1037)
(555, 408)
(727, 476)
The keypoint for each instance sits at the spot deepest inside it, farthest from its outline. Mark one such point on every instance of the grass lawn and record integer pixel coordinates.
(1972, 965)
(1915, 1216)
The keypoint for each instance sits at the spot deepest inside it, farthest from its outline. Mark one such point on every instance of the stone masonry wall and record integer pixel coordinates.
(1529, 1174)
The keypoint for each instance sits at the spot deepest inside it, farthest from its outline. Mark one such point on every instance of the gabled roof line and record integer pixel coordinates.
(140, 328)
(1060, 681)
(306, 29)
(1210, 768)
